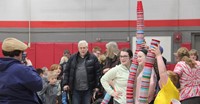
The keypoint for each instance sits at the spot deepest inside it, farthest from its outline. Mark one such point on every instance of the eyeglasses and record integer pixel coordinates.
(123, 56)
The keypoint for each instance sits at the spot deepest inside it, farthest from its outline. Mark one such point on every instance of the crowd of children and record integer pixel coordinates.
(51, 92)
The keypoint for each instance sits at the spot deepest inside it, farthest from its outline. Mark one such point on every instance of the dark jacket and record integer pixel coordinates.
(92, 68)
(110, 63)
(18, 83)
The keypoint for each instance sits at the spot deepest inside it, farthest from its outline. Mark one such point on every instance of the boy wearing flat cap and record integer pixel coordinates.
(18, 82)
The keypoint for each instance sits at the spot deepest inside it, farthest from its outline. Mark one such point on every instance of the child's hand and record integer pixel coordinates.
(66, 87)
(94, 95)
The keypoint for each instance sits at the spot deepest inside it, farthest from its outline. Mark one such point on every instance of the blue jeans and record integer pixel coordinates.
(81, 97)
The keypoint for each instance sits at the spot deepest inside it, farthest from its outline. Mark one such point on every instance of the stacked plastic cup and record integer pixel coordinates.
(139, 42)
(131, 81)
(140, 16)
(106, 99)
(145, 81)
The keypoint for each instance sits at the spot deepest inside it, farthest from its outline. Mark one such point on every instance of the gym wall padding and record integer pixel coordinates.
(59, 49)
(122, 45)
(47, 53)
(44, 54)
(31, 53)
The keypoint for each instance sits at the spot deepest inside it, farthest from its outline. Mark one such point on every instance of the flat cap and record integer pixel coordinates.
(12, 44)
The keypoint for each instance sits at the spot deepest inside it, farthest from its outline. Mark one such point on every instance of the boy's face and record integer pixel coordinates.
(97, 53)
(41, 75)
(52, 80)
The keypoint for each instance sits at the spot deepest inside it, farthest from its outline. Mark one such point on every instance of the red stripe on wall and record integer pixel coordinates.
(98, 24)
(13, 24)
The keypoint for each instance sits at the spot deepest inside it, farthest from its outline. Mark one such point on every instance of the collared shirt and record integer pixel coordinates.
(81, 82)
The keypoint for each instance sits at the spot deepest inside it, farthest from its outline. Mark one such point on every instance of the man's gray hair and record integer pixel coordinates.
(83, 42)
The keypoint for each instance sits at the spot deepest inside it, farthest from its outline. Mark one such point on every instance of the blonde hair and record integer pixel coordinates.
(112, 48)
(102, 58)
(194, 52)
(174, 78)
(54, 67)
(51, 74)
(183, 55)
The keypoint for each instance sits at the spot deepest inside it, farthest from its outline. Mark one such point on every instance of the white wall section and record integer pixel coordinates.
(98, 10)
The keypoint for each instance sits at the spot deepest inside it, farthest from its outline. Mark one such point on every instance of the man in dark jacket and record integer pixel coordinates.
(81, 74)
(18, 82)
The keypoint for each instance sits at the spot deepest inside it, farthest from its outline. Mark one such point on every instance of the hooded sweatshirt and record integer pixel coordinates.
(18, 83)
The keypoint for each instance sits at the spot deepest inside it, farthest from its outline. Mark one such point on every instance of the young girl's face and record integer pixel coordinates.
(194, 57)
(57, 71)
(141, 58)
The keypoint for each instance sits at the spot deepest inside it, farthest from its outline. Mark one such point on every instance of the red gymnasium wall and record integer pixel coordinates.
(45, 54)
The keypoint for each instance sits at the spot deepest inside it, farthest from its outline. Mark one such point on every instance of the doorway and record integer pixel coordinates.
(196, 41)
